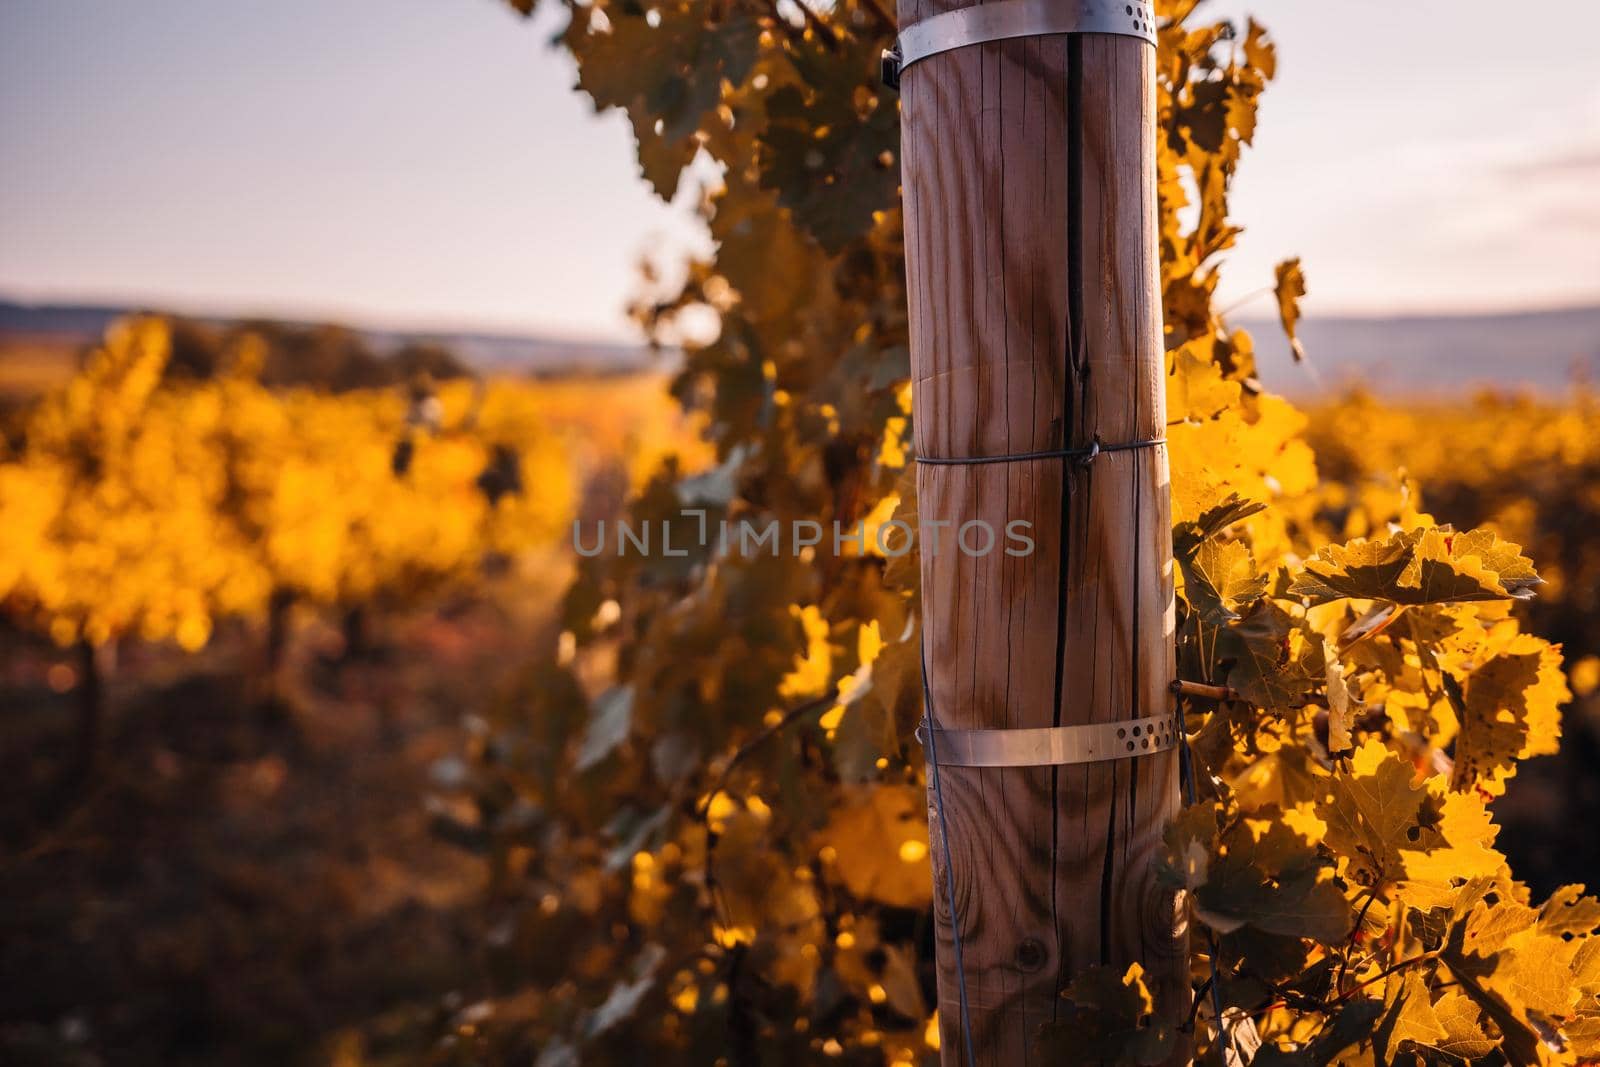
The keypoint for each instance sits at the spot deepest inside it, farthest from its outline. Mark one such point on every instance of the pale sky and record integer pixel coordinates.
(424, 163)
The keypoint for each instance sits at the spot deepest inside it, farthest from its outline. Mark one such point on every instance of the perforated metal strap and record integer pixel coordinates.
(1015, 18)
(1055, 746)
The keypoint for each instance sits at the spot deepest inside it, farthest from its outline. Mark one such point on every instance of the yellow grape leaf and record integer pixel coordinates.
(1372, 808)
(1454, 841)
(1583, 1036)
(1260, 54)
(1220, 579)
(1568, 911)
(1352, 1026)
(814, 666)
(1462, 1023)
(1448, 566)
(1524, 986)
(1290, 288)
(1196, 491)
(1425, 566)
(879, 838)
(1196, 388)
(1409, 1018)
(1342, 707)
(1274, 453)
(1517, 966)
(1421, 838)
(1511, 710)
(1211, 521)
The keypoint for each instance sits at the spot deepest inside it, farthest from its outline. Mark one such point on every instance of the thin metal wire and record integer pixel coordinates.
(944, 841)
(1084, 455)
(1191, 797)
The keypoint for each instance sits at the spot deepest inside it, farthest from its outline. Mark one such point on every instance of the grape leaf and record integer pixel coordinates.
(1111, 1019)
(1524, 978)
(1462, 1022)
(1568, 911)
(1510, 710)
(1188, 536)
(1372, 812)
(1418, 837)
(1220, 579)
(831, 150)
(880, 836)
(665, 68)
(1291, 286)
(1426, 566)
(1271, 878)
(1351, 1026)
(1408, 1019)
(1342, 707)
(1196, 388)
(1276, 659)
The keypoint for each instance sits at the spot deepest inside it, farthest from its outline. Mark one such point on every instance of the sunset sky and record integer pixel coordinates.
(424, 163)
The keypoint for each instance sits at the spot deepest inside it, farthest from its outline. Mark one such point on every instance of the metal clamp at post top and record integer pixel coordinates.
(1009, 19)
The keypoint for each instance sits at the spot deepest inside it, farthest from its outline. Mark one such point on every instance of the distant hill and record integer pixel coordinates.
(73, 326)
(1541, 351)
(81, 321)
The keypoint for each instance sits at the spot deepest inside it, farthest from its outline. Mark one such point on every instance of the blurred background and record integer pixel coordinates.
(336, 301)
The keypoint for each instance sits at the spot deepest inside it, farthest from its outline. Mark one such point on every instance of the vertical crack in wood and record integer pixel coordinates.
(1069, 409)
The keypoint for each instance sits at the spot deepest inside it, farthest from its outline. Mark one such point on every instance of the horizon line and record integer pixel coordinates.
(375, 323)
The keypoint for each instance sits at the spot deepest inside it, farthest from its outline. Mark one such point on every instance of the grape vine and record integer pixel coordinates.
(705, 810)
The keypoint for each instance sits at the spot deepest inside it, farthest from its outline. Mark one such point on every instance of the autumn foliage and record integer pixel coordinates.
(706, 811)
(139, 504)
(702, 808)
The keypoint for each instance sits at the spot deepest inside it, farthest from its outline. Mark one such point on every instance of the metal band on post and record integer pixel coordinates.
(1055, 746)
(1015, 18)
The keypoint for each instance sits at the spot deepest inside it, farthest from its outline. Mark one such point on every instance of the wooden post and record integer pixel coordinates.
(1030, 220)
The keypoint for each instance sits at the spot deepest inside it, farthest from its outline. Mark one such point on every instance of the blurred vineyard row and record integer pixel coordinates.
(159, 492)
(1528, 468)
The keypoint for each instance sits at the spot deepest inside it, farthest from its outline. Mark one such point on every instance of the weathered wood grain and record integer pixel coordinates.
(1029, 182)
